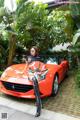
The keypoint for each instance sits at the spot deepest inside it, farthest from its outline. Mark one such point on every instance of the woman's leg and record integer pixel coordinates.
(38, 99)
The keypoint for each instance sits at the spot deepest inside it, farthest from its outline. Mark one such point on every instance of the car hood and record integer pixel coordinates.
(12, 74)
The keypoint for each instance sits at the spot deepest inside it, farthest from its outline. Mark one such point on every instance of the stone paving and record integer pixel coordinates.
(10, 110)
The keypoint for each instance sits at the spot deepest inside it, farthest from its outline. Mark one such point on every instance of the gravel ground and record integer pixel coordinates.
(67, 100)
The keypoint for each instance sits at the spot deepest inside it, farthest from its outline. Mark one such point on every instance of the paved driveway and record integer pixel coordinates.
(17, 110)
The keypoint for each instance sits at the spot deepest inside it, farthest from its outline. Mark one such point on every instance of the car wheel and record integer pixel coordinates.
(55, 86)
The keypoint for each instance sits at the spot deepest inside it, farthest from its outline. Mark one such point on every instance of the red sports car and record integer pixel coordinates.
(16, 80)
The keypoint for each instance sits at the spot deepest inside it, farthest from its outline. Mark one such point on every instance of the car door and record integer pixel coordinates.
(61, 72)
(63, 64)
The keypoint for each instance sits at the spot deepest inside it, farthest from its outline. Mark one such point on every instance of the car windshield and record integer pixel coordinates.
(49, 59)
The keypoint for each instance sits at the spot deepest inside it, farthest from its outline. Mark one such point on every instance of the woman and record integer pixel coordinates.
(31, 58)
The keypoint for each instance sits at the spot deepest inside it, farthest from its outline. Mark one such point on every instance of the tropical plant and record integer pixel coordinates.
(75, 13)
(75, 7)
(7, 20)
(39, 27)
(1, 3)
(32, 24)
(78, 79)
(58, 22)
(76, 37)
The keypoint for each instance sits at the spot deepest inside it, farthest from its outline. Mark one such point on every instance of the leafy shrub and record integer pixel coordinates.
(1, 73)
(78, 79)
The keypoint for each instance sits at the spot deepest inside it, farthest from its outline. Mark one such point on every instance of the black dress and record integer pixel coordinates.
(33, 58)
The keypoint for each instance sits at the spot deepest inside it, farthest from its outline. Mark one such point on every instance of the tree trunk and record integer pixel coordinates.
(12, 48)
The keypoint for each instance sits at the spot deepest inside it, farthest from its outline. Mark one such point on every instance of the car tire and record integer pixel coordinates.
(55, 86)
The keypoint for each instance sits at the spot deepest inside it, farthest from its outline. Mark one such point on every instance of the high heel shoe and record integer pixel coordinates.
(37, 114)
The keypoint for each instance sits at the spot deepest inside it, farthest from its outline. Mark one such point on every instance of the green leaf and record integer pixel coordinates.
(76, 37)
(2, 11)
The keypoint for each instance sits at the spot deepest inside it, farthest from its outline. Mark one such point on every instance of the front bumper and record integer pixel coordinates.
(18, 90)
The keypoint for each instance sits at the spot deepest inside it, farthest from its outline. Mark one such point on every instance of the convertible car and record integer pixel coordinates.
(16, 80)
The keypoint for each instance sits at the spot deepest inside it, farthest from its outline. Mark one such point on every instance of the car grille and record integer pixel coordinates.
(17, 87)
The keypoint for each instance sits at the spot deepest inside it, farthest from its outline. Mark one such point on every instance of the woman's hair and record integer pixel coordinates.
(36, 49)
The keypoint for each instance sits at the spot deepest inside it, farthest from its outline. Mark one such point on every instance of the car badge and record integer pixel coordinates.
(13, 87)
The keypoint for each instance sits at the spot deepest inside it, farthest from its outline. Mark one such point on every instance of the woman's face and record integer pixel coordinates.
(33, 52)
